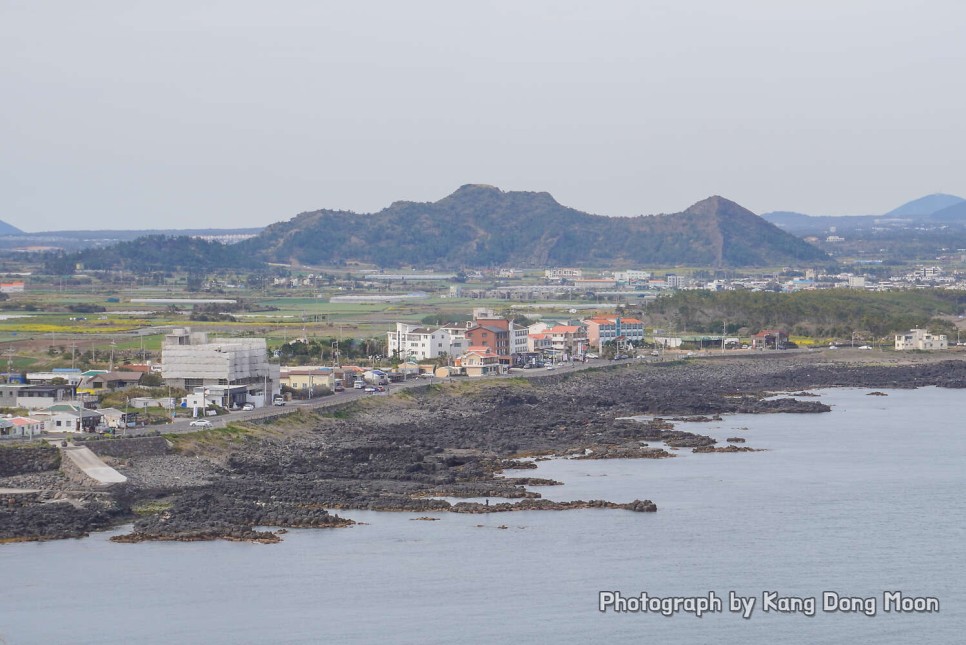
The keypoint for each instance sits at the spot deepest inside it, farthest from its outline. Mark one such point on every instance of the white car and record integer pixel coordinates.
(248, 407)
(201, 423)
(550, 366)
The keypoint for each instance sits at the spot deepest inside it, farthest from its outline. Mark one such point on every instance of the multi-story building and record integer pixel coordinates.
(493, 333)
(605, 329)
(569, 340)
(563, 274)
(423, 343)
(190, 360)
(631, 276)
(920, 339)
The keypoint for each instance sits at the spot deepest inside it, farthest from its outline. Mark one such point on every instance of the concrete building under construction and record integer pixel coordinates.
(240, 365)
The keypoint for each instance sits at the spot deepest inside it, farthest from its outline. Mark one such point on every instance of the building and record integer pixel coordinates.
(190, 360)
(308, 379)
(606, 329)
(419, 343)
(493, 333)
(71, 417)
(109, 382)
(480, 361)
(12, 287)
(631, 276)
(674, 281)
(769, 339)
(24, 427)
(563, 274)
(566, 340)
(920, 339)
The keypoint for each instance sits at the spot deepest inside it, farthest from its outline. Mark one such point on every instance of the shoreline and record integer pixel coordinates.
(457, 439)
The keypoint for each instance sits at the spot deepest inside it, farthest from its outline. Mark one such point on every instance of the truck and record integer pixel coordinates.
(375, 377)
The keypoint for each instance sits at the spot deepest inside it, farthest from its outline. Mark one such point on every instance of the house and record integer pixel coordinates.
(480, 361)
(109, 382)
(71, 417)
(769, 339)
(308, 378)
(920, 339)
(25, 427)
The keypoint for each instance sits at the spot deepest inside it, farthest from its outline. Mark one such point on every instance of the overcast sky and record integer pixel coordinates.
(135, 114)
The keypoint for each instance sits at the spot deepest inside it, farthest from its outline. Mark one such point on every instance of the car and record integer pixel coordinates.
(248, 407)
(358, 385)
(371, 389)
(864, 347)
(201, 423)
(550, 366)
(591, 356)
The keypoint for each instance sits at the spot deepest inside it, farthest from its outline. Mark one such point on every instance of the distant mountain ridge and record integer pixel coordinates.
(9, 229)
(936, 208)
(482, 225)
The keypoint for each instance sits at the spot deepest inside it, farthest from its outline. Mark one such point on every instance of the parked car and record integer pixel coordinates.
(591, 355)
(248, 407)
(550, 366)
(278, 400)
(201, 423)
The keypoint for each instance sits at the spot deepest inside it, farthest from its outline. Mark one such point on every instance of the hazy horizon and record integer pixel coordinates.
(128, 115)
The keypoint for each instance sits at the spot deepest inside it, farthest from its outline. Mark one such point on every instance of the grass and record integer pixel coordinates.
(151, 508)
(211, 441)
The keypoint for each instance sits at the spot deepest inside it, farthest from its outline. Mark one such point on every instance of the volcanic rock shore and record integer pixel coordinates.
(463, 439)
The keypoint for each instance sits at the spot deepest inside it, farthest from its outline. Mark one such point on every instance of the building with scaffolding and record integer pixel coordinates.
(236, 367)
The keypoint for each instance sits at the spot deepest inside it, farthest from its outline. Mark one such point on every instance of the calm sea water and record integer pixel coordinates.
(866, 499)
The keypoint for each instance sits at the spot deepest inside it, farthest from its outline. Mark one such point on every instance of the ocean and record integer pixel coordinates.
(864, 501)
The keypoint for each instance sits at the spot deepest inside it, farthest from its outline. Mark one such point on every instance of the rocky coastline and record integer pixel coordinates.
(463, 439)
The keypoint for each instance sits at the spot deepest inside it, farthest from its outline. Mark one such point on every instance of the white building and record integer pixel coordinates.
(920, 339)
(519, 339)
(423, 343)
(563, 274)
(632, 275)
(190, 360)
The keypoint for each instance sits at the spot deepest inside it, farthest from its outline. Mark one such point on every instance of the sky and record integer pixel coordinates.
(224, 114)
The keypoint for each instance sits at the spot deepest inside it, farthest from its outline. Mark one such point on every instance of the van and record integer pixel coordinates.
(358, 384)
(278, 400)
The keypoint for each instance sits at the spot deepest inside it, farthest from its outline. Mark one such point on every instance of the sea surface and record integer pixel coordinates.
(863, 500)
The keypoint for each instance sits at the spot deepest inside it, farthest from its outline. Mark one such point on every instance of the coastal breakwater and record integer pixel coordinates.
(82, 466)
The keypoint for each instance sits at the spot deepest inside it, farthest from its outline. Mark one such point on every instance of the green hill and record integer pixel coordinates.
(484, 226)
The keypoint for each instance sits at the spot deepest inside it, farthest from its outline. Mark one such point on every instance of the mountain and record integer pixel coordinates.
(925, 205)
(9, 229)
(923, 209)
(484, 226)
(955, 214)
